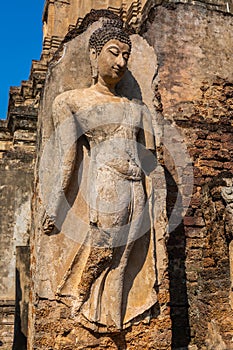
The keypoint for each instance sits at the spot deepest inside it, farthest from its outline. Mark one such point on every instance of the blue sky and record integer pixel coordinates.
(21, 41)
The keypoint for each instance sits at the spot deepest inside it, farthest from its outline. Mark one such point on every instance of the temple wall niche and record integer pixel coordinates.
(64, 75)
(195, 55)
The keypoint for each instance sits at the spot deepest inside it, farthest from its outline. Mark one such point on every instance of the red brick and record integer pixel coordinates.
(208, 262)
(201, 143)
(228, 145)
(202, 134)
(215, 145)
(195, 202)
(228, 165)
(211, 164)
(193, 232)
(194, 221)
(214, 136)
(226, 137)
(207, 171)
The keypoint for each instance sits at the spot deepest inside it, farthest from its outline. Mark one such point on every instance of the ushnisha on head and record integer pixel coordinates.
(111, 29)
(113, 35)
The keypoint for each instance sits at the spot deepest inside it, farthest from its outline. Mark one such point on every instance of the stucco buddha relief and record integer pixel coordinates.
(101, 232)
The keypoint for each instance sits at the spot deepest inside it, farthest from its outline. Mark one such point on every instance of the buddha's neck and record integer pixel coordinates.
(105, 89)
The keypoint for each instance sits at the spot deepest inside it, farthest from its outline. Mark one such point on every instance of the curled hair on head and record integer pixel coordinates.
(111, 29)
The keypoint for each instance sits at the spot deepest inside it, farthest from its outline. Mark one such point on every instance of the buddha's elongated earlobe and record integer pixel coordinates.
(94, 65)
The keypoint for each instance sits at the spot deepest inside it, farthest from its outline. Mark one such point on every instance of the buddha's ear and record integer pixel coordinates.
(94, 65)
(93, 54)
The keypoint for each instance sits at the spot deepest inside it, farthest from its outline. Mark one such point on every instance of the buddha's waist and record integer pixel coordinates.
(125, 167)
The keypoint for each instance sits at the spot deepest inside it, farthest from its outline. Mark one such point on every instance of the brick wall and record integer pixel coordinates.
(195, 81)
(17, 155)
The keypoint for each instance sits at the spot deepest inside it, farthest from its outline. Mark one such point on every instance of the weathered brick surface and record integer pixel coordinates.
(55, 329)
(7, 309)
(194, 46)
(17, 154)
(16, 173)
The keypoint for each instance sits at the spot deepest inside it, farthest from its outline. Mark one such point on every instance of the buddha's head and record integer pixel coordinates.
(110, 48)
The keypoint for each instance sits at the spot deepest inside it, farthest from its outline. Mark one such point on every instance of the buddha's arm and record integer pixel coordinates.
(66, 134)
(62, 161)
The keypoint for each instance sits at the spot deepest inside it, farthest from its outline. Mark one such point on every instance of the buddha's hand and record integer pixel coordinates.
(48, 224)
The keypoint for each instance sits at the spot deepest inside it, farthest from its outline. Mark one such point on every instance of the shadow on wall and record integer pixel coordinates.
(22, 297)
(20, 341)
(177, 274)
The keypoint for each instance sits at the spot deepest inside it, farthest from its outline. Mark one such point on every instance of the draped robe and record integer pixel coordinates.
(117, 239)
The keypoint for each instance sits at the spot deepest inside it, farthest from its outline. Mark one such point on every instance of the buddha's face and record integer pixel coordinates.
(112, 62)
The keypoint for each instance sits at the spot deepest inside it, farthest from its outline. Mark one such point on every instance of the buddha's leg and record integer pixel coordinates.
(110, 216)
(116, 276)
(107, 294)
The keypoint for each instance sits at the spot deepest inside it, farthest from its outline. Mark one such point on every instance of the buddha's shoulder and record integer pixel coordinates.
(73, 97)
